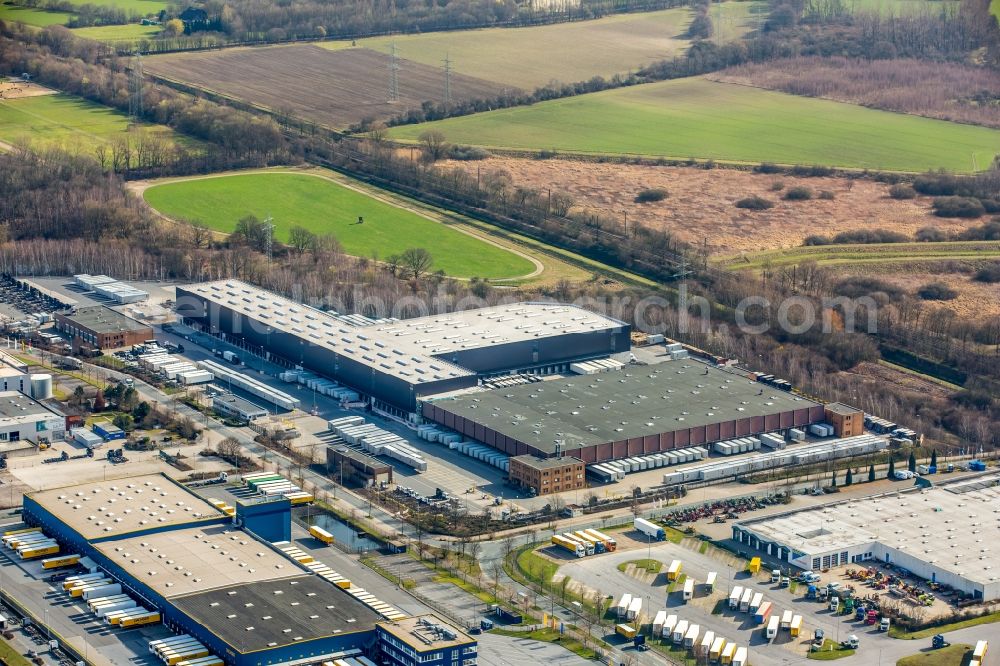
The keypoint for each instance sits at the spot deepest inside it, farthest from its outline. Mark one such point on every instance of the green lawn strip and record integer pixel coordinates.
(651, 566)
(323, 206)
(69, 122)
(12, 657)
(710, 120)
(864, 253)
(548, 635)
(953, 655)
(898, 632)
(131, 32)
(831, 650)
(35, 16)
(678, 654)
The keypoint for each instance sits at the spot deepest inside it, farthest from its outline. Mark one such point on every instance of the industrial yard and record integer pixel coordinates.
(644, 471)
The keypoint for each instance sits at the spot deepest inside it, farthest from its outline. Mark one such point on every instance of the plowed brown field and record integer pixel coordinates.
(333, 88)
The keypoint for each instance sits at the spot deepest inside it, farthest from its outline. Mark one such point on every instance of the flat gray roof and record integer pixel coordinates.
(950, 526)
(547, 463)
(116, 508)
(634, 402)
(841, 408)
(426, 633)
(15, 405)
(101, 319)
(409, 348)
(271, 614)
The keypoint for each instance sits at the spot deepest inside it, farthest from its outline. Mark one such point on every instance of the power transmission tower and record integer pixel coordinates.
(268, 237)
(447, 79)
(135, 78)
(393, 75)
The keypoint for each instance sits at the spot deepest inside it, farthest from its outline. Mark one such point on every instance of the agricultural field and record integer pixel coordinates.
(137, 7)
(32, 16)
(67, 122)
(531, 57)
(327, 207)
(131, 32)
(700, 208)
(947, 91)
(334, 88)
(710, 120)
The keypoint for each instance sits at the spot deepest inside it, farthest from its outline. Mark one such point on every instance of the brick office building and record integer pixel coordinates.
(103, 327)
(548, 475)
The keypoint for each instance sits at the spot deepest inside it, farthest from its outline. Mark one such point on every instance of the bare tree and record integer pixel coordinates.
(229, 448)
(496, 570)
(435, 145)
(301, 238)
(416, 260)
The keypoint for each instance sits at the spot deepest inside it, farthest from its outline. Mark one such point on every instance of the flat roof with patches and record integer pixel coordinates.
(267, 615)
(119, 507)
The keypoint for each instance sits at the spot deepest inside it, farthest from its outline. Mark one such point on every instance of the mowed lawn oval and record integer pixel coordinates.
(709, 120)
(324, 207)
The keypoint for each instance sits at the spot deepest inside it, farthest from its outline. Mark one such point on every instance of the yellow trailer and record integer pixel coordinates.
(754, 566)
(151, 617)
(796, 627)
(300, 498)
(41, 551)
(626, 630)
(172, 658)
(23, 530)
(674, 570)
(61, 561)
(321, 534)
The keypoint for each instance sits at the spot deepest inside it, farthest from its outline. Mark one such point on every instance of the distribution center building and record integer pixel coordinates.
(398, 363)
(942, 533)
(630, 412)
(103, 327)
(245, 600)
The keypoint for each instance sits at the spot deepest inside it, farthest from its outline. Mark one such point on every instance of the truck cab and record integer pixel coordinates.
(883, 625)
(852, 642)
(775, 575)
(834, 604)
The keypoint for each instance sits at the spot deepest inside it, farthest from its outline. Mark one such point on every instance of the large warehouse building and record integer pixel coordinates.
(398, 363)
(631, 412)
(247, 602)
(943, 534)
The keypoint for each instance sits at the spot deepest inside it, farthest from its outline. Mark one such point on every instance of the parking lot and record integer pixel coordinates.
(710, 610)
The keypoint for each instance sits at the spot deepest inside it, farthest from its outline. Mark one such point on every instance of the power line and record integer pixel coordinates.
(393, 75)
(447, 79)
(135, 78)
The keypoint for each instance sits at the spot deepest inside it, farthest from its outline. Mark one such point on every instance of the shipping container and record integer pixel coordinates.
(688, 589)
(734, 597)
(649, 529)
(680, 630)
(796, 627)
(718, 645)
(691, 637)
(772, 627)
(706, 644)
(763, 614)
(626, 630)
(710, 581)
(142, 619)
(623, 604)
(746, 599)
(674, 570)
(756, 602)
(980, 650)
(634, 608)
(668, 626)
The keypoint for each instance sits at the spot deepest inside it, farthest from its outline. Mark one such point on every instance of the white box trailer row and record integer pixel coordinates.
(457, 442)
(734, 446)
(321, 385)
(711, 647)
(249, 384)
(615, 470)
(805, 454)
(376, 441)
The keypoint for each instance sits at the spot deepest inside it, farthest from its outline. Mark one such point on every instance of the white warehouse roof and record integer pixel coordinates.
(949, 527)
(405, 349)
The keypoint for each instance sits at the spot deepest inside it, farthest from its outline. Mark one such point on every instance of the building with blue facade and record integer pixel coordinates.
(229, 588)
(425, 641)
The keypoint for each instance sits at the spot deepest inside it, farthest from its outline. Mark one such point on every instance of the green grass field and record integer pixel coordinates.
(31, 16)
(566, 52)
(323, 206)
(709, 120)
(68, 122)
(953, 655)
(843, 256)
(140, 7)
(119, 33)
(995, 8)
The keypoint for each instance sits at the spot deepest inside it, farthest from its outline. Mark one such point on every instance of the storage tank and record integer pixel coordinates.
(41, 386)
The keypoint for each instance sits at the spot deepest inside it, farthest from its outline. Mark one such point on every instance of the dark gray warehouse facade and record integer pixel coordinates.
(401, 362)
